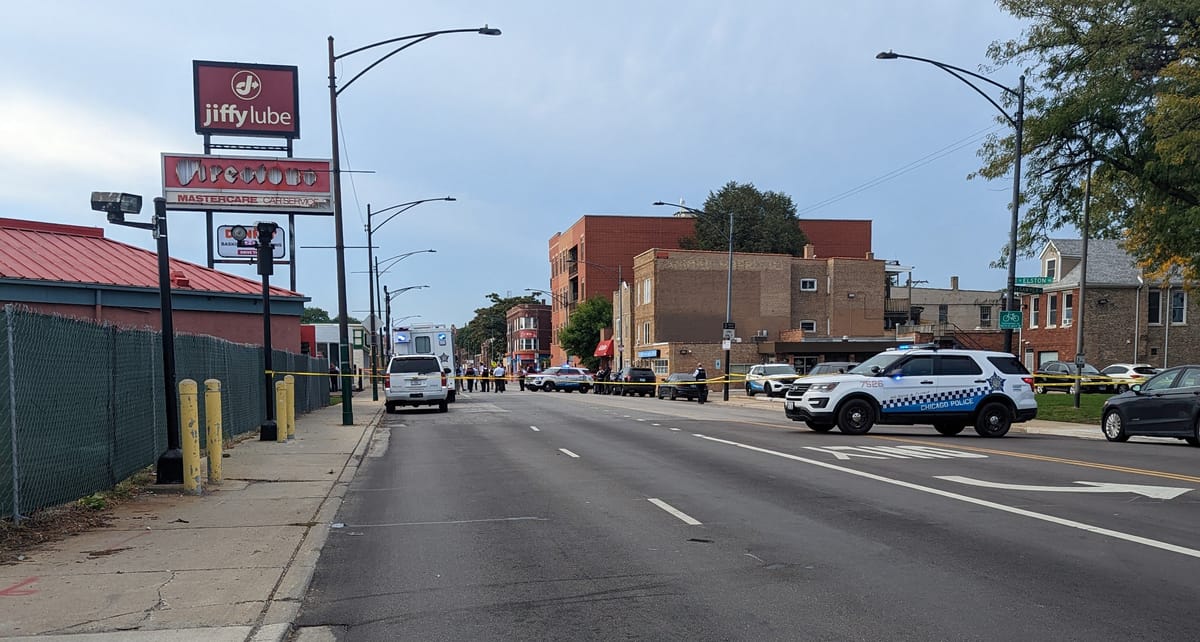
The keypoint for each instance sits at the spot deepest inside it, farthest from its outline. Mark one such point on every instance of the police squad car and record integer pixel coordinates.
(923, 385)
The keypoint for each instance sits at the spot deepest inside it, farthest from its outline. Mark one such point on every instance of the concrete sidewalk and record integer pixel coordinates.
(232, 564)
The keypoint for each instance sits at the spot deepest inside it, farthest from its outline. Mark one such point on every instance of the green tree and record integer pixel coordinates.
(489, 324)
(1112, 84)
(763, 222)
(582, 333)
(314, 315)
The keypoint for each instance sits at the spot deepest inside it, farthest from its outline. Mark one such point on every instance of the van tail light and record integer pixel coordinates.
(443, 380)
(1028, 380)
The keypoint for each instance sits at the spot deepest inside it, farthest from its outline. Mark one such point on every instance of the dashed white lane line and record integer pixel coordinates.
(675, 429)
(641, 420)
(655, 424)
(683, 517)
(535, 429)
(1136, 539)
(568, 453)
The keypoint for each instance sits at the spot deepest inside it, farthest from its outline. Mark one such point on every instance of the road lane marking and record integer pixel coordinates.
(683, 517)
(1145, 541)
(568, 453)
(1153, 492)
(458, 521)
(535, 429)
(641, 420)
(655, 424)
(1060, 460)
(675, 429)
(894, 452)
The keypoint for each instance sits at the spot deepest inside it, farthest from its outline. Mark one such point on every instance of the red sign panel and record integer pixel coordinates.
(242, 99)
(527, 334)
(247, 184)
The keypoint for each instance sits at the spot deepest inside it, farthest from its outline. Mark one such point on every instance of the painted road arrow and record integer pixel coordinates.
(1156, 492)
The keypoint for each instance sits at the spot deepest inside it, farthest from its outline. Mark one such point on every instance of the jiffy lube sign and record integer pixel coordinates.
(246, 99)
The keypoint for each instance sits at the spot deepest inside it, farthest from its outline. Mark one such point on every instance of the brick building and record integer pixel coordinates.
(799, 310)
(75, 271)
(528, 336)
(1127, 317)
(587, 258)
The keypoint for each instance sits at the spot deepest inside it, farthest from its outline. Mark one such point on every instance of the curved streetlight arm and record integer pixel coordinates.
(392, 295)
(682, 207)
(406, 206)
(414, 38)
(556, 297)
(400, 257)
(955, 71)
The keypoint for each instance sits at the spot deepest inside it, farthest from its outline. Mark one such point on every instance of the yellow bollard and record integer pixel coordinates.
(189, 420)
(280, 411)
(291, 406)
(212, 416)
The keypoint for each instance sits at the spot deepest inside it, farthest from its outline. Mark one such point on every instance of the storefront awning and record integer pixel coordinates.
(604, 349)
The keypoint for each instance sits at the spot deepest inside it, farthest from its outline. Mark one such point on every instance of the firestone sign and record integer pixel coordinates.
(247, 184)
(243, 99)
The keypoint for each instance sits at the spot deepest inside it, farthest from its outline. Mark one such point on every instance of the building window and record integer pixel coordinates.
(645, 332)
(660, 366)
(808, 325)
(985, 316)
(1052, 310)
(1034, 308)
(646, 291)
(943, 313)
(1154, 307)
(529, 344)
(808, 285)
(527, 323)
(1178, 306)
(1068, 308)
(1051, 267)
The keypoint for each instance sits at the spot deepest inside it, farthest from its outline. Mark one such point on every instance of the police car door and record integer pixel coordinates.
(962, 384)
(908, 386)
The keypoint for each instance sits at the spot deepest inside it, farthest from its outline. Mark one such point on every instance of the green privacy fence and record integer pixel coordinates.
(81, 404)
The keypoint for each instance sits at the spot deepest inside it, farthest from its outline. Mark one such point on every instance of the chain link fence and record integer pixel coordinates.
(81, 404)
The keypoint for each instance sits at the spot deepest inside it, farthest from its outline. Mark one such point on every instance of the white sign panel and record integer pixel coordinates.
(227, 246)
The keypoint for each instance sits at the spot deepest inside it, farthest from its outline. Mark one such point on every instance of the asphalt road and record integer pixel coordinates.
(564, 516)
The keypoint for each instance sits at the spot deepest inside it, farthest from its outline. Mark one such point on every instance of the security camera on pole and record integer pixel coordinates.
(265, 232)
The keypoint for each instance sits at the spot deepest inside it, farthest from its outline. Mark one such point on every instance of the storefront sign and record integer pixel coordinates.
(228, 247)
(247, 184)
(244, 99)
(648, 354)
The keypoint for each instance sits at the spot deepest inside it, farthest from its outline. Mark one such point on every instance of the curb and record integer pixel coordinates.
(277, 620)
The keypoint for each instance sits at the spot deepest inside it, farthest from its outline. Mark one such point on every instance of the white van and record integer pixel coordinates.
(436, 339)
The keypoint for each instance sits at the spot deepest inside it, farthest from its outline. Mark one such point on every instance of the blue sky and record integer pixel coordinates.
(579, 108)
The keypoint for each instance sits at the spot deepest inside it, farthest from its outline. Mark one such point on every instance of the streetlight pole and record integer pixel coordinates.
(371, 229)
(1018, 123)
(728, 325)
(339, 240)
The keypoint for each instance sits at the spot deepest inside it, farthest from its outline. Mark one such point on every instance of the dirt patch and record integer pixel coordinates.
(55, 524)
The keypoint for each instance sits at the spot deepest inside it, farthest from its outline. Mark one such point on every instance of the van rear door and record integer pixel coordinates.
(415, 377)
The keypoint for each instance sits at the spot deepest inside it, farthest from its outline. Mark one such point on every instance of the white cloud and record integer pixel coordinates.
(50, 145)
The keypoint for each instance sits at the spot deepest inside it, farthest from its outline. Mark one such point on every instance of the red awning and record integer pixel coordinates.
(604, 349)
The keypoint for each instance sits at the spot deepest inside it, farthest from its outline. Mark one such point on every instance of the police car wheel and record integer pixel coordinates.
(948, 429)
(856, 417)
(994, 420)
(749, 391)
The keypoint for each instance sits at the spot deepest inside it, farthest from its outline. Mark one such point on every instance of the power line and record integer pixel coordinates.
(900, 171)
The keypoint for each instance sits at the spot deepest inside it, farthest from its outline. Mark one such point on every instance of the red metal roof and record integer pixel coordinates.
(75, 254)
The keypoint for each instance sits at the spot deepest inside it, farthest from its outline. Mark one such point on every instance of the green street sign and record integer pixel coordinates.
(1026, 289)
(1010, 319)
(1035, 280)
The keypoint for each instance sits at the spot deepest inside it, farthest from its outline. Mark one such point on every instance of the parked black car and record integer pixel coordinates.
(1166, 405)
(633, 381)
(1060, 375)
(679, 384)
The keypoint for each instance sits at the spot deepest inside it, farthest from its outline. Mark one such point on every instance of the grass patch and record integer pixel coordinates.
(1057, 406)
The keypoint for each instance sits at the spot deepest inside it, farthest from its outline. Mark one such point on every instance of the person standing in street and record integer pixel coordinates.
(485, 375)
(701, 382)
(470, 375)
(521, 377)
(499, 373)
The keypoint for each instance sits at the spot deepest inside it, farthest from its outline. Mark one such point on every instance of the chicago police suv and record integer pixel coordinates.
(947, 388)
